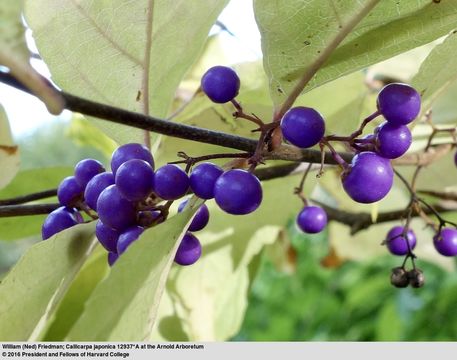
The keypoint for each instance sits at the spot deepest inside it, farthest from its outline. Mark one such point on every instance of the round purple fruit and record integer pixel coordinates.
(392, 141)
(369, 178)
(238, 192)
(399, 103)
(189, 250)
(396, 242)
(302, 126)
(312, 219)
(221, 84)
(446, 242)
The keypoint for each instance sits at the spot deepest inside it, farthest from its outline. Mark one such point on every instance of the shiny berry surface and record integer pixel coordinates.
(369, 178)
(399, 103)
(203, 178)
(302, 126)
(312, 219)
(128, 237)
(446, 242)
(396, 243)
(69, 192)
(128, 152)
(114, 210)
(171, 182)
(238, 192)
(86, 169)
(106, 236)
(189, 250)
(134, 179)
(95, 187)
(221, 84)
(392, 141)
(200, 219)
(59, 220)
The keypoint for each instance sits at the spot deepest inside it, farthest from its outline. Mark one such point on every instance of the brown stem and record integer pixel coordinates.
(29, 197)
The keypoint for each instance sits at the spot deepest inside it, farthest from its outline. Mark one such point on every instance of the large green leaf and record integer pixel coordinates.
(209, 298)
(26, 182)
(32, 290)
(296, 34)
(110, 51)
(124, 305)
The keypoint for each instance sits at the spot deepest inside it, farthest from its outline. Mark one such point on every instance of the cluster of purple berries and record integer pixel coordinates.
(127, 198)
(369, 177)
(401, 241)
(303, 127)
(445, 241)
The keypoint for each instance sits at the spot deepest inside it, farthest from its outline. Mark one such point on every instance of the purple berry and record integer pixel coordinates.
(114, 210)
(369, 178)
(95, 187)
(134, 179)
(59, 220)
(200, 219)
(106, 236)
(446, 242)
(128, 152)
(69, 192)
(221, 84)
(238, 192)
(128, 237)
(189, 250)
(112, 258)
(396, 243)
(303, 126)
(171, 182)
(312, 219)
(203, 178)
(148, 218)
(86, 169)
(399, 103)
(392, 141)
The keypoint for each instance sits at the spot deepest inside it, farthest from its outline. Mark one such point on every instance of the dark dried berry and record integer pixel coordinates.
(416, 278)
(399, 277)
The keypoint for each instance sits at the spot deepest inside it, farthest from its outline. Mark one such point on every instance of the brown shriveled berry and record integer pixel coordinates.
(416, 278)
(399, 277)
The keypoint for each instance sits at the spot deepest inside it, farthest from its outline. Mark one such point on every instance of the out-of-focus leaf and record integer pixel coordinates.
(437, 73)
(83, 132)
(27, 182)
(32, 290)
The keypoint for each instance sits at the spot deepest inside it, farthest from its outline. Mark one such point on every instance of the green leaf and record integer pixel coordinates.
(437, 74)
(296, 34)
(9, 152)
(124, 305)
(12, 31)
(26, 182)
(83, 132)
(125, 54)
(72, 305)
(32, 290)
